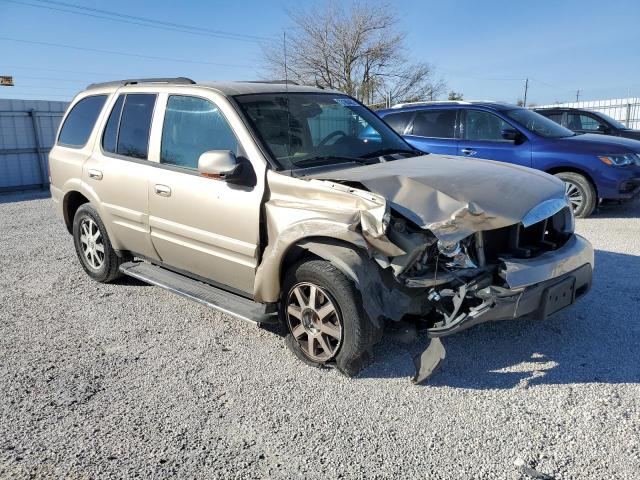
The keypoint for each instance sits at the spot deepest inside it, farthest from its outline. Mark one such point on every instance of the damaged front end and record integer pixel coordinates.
(532, 268)
(434, 241)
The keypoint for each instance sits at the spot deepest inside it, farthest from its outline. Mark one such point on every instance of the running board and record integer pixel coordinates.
(204, 293)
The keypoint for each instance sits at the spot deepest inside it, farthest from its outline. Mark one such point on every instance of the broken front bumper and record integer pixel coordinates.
(536, 287)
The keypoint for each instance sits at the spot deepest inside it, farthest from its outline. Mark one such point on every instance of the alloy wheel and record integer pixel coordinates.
(574, 194)
(314, 321)
(92, 243)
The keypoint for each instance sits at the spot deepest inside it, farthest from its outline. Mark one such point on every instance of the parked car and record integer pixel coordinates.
(586, 121)
(592, 166)
(279, 202)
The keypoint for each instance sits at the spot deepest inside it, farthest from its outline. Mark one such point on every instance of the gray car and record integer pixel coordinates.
(282, 203)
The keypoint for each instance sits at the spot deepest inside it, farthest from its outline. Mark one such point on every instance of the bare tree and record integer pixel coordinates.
(355, 48)
(453, 95)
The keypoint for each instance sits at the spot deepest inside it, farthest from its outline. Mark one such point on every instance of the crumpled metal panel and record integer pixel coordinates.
(454, 197)
(298, 209)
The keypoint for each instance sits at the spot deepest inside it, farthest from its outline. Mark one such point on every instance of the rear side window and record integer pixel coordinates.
(191, 127)
(135, 125)
(435, 124)
(555, 116)
(110, 137)
(399, 121)
(80, 121)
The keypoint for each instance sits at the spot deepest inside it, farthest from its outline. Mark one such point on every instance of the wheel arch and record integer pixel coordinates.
(70, 205)
(572, 169)
(318, 248)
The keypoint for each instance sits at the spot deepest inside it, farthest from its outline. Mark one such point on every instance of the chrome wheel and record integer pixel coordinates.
(314, 321)
(92, 243)
(574, 194)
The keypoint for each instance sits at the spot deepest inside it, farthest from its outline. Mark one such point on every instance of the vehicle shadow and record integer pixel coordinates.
(630, 209)
(24, 196)
(594, 341)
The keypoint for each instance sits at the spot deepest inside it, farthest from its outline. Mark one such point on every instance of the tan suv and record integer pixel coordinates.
(279, 202)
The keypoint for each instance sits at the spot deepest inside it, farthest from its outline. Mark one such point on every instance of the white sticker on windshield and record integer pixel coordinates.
(346, 102)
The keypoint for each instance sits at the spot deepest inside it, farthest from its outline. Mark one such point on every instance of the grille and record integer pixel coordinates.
(528, 242)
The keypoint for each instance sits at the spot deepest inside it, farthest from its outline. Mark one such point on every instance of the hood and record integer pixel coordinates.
(454, 196)
(632, 134)
(603, 143)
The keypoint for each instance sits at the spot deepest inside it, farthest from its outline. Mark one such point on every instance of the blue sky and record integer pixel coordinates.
(484, 49)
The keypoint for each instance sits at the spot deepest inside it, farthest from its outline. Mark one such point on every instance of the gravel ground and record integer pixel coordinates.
(127, 380)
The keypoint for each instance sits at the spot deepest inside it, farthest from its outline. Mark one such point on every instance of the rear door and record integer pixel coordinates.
(119, 169)
(481, 137)
(434, 131)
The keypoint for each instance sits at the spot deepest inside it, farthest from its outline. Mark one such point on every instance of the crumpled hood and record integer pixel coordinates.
(454, 196)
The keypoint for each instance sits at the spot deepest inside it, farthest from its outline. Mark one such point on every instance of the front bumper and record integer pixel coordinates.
(530, 283)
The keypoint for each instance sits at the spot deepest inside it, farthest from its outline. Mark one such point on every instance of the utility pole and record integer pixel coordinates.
(526, 87)
(577, 95)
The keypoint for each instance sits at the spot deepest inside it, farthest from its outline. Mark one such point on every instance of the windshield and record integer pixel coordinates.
(615, 123)
(316, 129)
(538, 124)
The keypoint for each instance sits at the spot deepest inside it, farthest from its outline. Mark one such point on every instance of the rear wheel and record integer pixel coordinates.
(580, 192)
(93, 247)
(325, 322)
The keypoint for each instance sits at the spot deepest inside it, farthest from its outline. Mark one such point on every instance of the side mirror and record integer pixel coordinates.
(218, 164)
(511, 134)
(602, 128)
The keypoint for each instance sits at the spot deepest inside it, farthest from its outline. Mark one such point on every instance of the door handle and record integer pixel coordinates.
(468, 151)
(95, 174)
(163, 190)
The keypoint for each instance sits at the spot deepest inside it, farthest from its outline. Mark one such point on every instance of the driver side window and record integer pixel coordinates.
(191, 127)
(479, 125)
(577, 121)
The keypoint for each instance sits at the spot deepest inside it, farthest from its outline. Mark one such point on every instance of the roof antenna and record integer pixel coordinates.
(286, 89)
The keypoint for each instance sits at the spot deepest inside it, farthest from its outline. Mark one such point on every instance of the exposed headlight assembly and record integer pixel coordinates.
(620, 159)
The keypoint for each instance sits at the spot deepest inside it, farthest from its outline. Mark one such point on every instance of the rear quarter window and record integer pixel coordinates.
(80, 121)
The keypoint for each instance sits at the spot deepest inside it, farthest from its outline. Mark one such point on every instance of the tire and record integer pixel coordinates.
(103, 266)
(352, 350)
(581, 193)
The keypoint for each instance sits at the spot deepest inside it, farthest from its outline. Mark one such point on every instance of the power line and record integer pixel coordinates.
(140, 21)
(113, 52)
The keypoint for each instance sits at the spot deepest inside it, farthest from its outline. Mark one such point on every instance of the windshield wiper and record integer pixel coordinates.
(332, 158)
(390, 151)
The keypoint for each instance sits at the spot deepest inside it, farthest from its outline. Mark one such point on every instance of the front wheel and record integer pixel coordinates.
(324, 319)
(580, 192)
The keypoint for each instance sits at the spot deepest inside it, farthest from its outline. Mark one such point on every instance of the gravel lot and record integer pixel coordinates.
(127, 380)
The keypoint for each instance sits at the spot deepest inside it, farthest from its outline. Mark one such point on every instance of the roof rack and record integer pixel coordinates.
(273, 82)
(135, 81)
(432, 102)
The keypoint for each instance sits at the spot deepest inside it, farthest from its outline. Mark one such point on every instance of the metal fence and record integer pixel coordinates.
(625, 110)
(27, 133)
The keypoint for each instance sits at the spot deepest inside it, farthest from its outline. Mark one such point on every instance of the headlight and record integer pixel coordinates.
(620, 159)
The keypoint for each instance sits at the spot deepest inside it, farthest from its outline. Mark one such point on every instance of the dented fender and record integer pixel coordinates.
(299, 209)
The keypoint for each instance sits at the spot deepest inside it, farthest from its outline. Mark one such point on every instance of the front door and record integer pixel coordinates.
(202, 226)
(482, 138)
